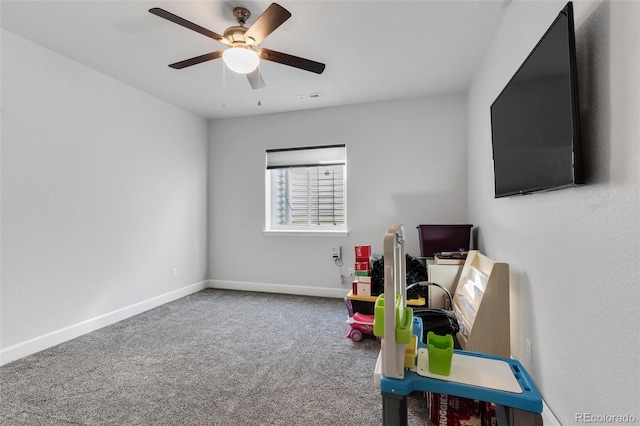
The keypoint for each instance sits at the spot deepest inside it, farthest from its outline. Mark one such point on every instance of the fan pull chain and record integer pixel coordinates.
(259, 76)
(224, 86)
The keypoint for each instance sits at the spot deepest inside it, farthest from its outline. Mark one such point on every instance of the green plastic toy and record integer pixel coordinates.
(440, 350)
(404, 320)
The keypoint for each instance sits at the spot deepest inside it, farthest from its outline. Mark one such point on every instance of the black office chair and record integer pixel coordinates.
(440, 321)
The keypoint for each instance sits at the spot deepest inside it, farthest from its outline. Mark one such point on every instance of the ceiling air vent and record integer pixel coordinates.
(313, 95)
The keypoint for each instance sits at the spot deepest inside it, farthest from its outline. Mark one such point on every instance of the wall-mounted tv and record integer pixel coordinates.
(534, 121)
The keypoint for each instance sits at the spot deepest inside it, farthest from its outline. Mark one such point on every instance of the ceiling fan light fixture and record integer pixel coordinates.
(241, 59)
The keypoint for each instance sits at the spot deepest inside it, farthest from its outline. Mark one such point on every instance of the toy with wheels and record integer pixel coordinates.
(360, 323)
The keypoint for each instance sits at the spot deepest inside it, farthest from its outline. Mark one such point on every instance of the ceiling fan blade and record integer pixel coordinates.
(187, 24)
(292, 61)
(197, 60)
(266, 23)
(255, 79)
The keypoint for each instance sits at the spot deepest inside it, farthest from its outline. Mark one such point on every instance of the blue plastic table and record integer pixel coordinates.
(395, 391)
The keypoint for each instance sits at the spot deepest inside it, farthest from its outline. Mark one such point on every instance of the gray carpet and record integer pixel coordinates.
(216, 357)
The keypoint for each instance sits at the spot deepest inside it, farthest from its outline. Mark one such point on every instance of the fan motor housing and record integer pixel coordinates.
(235, 34)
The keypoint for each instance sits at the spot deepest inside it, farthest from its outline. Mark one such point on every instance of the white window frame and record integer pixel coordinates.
(303, 157)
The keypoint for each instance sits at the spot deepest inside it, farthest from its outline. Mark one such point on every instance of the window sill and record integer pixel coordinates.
(306, 232)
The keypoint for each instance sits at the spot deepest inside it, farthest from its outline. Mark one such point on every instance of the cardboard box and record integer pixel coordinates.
(363, 279)
(362, 266)
(453, 410)
(363, 253)
(364, 289)
(489, 417)
(354, 288)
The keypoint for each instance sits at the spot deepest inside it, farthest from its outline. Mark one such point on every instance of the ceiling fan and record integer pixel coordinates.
(242, 54)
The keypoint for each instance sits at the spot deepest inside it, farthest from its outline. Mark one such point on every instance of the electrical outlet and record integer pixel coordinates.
(336, 252)
(174, 273)
(528, 347)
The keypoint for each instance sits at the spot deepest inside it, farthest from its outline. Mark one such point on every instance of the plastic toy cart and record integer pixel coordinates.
(360, 324)
(503, 381)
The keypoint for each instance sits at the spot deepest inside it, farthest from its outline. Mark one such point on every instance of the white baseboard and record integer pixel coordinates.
(279, 288)
(56, 337)
(548, 419)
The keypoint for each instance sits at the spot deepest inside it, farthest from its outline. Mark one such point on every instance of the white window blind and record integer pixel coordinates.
(325, 155)
(307, 188)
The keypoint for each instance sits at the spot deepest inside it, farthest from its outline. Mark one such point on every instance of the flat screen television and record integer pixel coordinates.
(534, 120)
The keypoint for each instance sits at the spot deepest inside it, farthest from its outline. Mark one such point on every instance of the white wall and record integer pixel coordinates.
(406, 164)
(103, 194)
(573, 253)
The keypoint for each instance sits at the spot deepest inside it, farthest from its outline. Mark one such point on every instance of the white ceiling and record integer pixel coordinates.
(373, 50)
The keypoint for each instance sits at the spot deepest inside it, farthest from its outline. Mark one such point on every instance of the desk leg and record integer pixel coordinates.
(394, 409)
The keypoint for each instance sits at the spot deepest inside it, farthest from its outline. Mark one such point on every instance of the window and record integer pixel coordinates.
(306, 189)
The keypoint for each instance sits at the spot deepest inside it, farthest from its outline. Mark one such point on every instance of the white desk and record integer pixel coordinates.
(445, 275)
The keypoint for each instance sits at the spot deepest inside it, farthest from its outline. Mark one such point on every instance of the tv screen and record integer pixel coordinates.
(534, 120)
